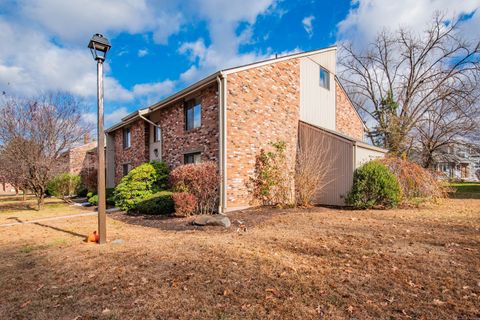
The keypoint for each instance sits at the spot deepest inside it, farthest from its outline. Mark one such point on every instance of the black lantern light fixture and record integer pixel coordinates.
(99, 47)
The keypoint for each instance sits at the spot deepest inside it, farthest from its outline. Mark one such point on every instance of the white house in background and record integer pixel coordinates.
(459, 161)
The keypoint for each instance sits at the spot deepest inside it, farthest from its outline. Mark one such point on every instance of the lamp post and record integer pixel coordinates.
(99, 46)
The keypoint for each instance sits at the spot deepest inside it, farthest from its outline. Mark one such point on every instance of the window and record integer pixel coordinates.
(157, 134)
(127, 138)
(324, 78)
(125, 169)
(194, 157)
(193, 114)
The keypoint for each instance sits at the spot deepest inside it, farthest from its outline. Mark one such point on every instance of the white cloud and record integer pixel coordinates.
(195, 50)
(368, 17)
(77, 20)
(90, 117)
(142, 52)
(223, 51)
(115, 116)
(307, 25)
(110, 118)
(155, 89)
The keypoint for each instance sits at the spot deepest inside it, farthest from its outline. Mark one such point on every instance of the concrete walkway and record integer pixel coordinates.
(87, 214)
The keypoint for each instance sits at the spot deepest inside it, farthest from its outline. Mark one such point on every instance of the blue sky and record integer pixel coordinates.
(160, 46)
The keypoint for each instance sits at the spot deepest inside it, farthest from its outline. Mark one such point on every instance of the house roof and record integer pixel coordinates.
(345, 137)
(208, 80)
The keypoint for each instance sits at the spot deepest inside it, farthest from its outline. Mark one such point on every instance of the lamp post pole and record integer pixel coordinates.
(102, 220)
(99, 47)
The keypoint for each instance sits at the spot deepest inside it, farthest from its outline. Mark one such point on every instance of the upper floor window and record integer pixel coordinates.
(193, 114)
(157, 134)
(125, 169)
(194, 157)
(324, 78)
(127, 138)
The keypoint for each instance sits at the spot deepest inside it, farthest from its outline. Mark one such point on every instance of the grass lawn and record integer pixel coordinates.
(293, 264)
(14, 209)
(466, 190)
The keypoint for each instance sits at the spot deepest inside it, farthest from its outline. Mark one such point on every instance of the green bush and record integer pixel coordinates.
(160, 203)
(81, 191)
(93, 199)
(63, 185)
(374, 185)
(162, 174)
(109, 195)
(139, 184)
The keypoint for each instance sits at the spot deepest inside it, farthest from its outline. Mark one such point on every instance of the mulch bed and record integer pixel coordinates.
(247, 218)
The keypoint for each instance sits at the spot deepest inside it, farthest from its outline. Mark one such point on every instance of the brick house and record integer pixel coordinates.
(230, 115)
(82, 161)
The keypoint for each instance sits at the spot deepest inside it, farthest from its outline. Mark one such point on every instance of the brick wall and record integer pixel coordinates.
(80, 160)
(347, 119)
(176, 141)
(262, 107)
(136, 154)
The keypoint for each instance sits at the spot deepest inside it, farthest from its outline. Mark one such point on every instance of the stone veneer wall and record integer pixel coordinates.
(262, 107)
(137, 153)
(347, 120)
(176, 141)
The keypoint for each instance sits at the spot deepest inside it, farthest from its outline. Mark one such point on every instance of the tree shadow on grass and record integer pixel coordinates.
(18, 206)
(51, 227)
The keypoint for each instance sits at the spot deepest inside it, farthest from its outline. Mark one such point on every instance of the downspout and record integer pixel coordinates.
(354, 156)
(222, 142)
(149, 121)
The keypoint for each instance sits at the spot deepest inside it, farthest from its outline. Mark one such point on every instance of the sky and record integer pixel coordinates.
(162, 46)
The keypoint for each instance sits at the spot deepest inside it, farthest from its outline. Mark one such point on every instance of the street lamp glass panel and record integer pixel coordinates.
(99, 47)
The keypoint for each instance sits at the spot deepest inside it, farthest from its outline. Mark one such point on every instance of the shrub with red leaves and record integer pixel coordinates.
(185, 203)
(201, 180)
(415, 181)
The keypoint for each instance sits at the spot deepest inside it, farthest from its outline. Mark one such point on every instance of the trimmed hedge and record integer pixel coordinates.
(185, 203)
(140, 183)
(374, 185)
(202, 181)
(160, 203)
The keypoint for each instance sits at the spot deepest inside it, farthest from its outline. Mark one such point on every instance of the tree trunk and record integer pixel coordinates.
(40, 201)
(24, 195)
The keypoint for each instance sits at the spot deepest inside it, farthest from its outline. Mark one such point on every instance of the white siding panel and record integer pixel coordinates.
(365, 154)
(317, 104)
(110, 161)
(155, 117)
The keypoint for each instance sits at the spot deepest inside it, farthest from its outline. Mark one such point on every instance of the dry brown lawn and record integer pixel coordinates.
(289, 264)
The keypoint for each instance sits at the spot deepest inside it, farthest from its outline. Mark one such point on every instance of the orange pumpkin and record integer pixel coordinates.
(93, 237)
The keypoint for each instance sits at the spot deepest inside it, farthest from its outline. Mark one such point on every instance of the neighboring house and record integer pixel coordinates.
(459, 161)
(82, 161)
(7, 188)
(229, 116)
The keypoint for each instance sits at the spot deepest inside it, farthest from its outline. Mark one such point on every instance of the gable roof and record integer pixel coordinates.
(210, 79)
(347, 138)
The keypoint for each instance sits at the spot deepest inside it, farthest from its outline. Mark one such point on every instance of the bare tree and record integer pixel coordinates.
(403, 76)
(450, 121)
(35, 132)
(11, 170)
(314, 168)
